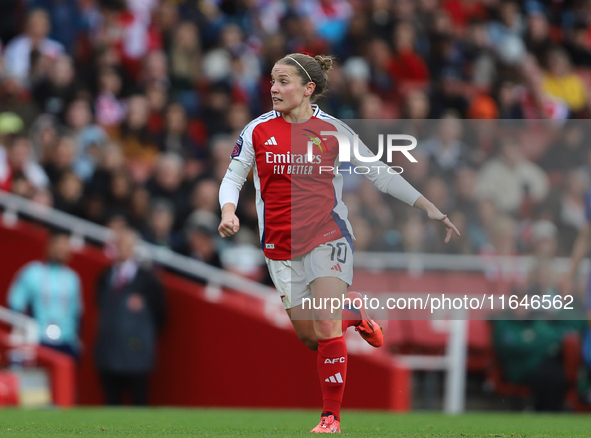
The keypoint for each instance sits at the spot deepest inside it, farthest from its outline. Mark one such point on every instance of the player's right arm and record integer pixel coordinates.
(238, 170)
(230, 224)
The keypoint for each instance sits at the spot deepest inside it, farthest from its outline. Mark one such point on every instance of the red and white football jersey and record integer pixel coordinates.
(298, 200)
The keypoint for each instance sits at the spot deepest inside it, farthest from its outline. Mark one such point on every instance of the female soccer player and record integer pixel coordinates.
(303, 224)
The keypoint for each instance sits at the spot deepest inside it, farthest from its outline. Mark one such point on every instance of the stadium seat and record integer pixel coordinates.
(572, 364)
(395, 335)
(426, 338)
(495, 380)
(9, 388)
(430, 337)
(479, 345)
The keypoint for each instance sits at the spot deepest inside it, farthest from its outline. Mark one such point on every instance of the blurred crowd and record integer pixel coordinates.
(125, 112)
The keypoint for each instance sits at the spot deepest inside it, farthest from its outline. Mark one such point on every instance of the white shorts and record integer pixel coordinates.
(292, 278)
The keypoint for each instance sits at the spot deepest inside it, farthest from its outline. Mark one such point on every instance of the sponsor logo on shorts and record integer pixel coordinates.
(269, 245)
(336, 267)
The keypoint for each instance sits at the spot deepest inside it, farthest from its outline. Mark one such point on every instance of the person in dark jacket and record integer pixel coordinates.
(132, 310)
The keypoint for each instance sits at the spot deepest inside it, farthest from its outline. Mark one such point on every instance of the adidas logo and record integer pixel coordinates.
(337, 378)
(336, 267)
(271, 141)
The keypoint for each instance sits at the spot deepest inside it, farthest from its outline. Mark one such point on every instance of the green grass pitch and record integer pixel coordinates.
(170, 422)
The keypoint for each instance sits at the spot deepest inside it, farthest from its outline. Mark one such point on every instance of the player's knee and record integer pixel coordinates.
(310, 341)
(328, 329)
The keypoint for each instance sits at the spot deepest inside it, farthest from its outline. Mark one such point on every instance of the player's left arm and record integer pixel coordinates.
(434, 213)
(396, 186)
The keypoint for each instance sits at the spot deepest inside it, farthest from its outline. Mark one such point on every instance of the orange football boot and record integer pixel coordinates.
(327, 424)
(367, 328)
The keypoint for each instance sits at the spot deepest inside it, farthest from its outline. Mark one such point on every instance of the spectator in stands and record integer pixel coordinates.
(479, 54)
(155, 69)
(51, 293)
(561, 82)
(131, 306)
(52, 93)
(167, 20)
(61, 159)
(205, 196)
(90, 138)
(14, 97)
(98, 188)
(445, 52)
(140, 208)
(416, 105)
(446, 151)
(379, 57)
(406, 64)
(507, 98)
(502, 244)
(139, 147)
(509, 25)
(18, 163)
(372, 107)
(175, 138)
(126, 30)
(68, 196)
(216, 105)
(544, 239)
(44, 136)
(413, 234)
(201, 239)
(33, 43)
(535, 102)
(537, 35)
(510, 178)
(118, 199)
(237, 117)
(447, 95)
(157, 95)
(109, 109)
(185, 59)
(221, 147)
(10, 124)
(9, 20)
(577, 45)
(168, 183)
(570, 207)
(66, 20)
(464, 198)
(159, 224)
(567, 152)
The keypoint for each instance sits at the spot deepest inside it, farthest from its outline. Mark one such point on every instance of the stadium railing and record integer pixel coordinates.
(25, 330)
(414, 263)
